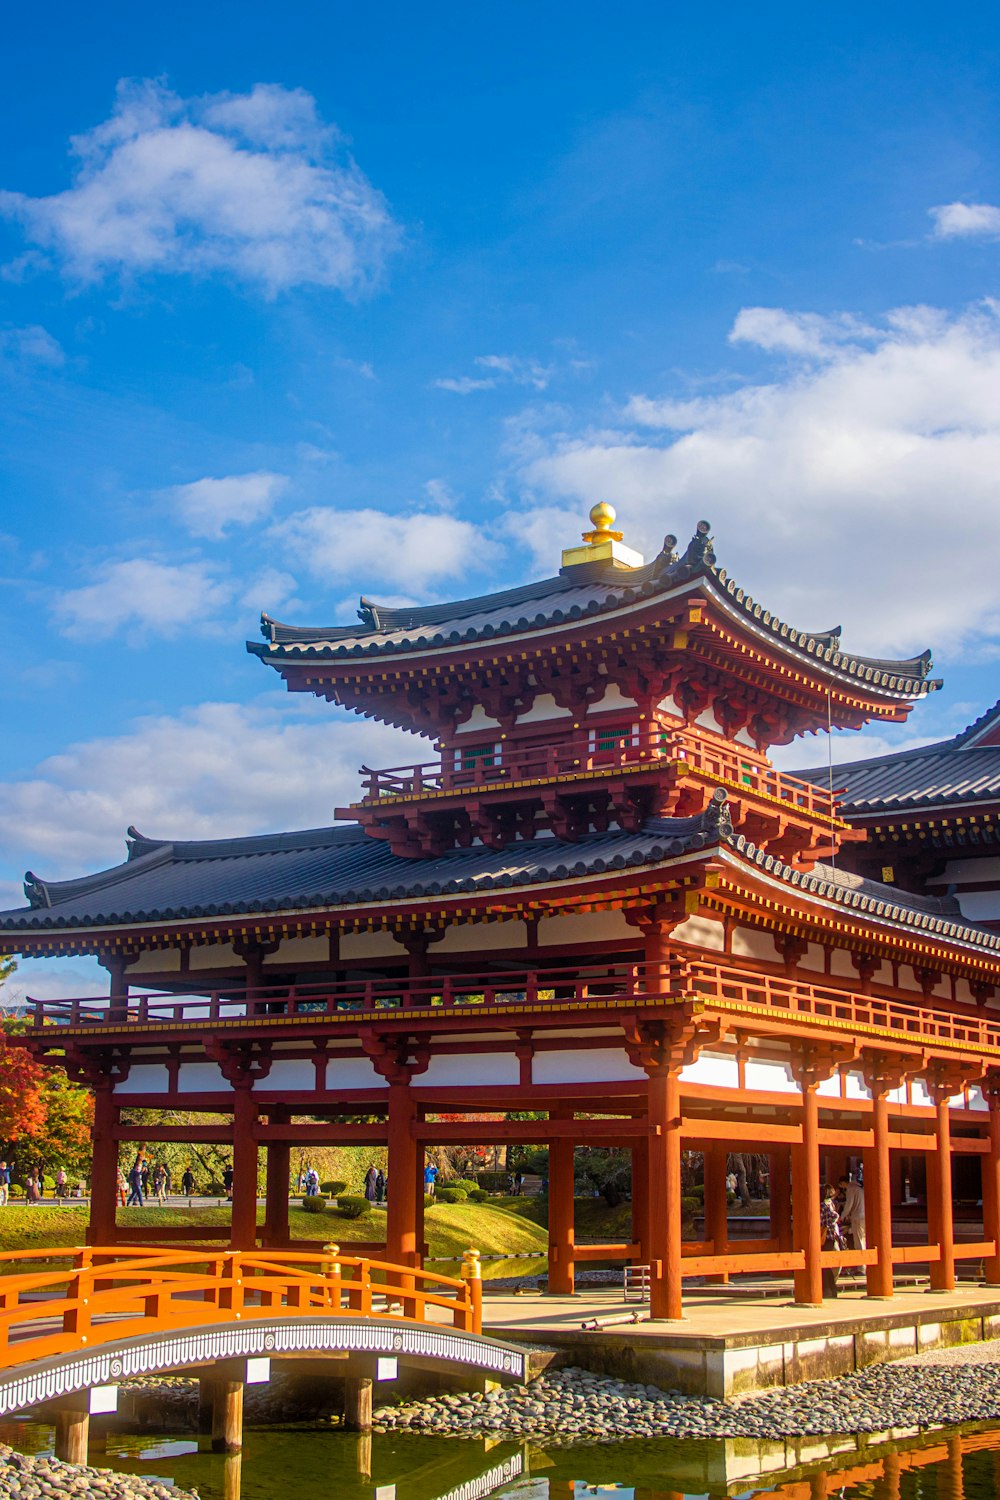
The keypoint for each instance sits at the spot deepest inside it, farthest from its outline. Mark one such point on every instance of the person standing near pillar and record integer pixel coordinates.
(852, 1212)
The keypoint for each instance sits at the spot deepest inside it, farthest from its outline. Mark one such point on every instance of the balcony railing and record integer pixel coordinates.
(779, 1002)
(498, 766)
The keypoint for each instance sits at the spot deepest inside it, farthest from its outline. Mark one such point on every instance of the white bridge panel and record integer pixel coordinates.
(588, 1065)
(470, 1068)
(291, 1075)
(202, 1078)
(770, 1077)
(713, 1068)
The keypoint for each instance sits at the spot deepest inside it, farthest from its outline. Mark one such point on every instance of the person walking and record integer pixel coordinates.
(852, 1211)
(379, 1186)
(4, 1184)
(832, 1237)
(135, 1185)
(60, 1183)
(187, 1182)
(371, 1177)
(160, 1184)
(430, 1179)
(33, 1190)
(227, 1182)
(122, 1188)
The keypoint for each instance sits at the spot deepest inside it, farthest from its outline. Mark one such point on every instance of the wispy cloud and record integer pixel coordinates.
(375, 549)
(954, 221)
(502, 369)
(32, 345)
(206, 507)
(255, 186)
(144, 597)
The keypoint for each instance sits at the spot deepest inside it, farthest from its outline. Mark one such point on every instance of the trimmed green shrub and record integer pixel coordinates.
(352, 1207)
(451, 1194)
(477, 1195)
(429, 1201)
(334, 1189)
(493, 1182)
(314, 1203)
(17, 1190)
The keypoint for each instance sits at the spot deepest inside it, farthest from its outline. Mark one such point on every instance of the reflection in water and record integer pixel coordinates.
(309, 1463)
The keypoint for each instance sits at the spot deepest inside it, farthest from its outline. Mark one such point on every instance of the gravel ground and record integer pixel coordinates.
(575, 1406)
(29, 1477)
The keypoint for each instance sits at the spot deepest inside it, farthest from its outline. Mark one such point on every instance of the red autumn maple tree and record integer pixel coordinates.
(22, 1107)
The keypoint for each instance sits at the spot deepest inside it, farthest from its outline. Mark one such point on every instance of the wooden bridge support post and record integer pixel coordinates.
(206, 1403)
(358, 1401)
(227, 1416)
(405, 1168)
(104, 1172)
(243, 1229)
(717, 1205)
(561, 1281)
(72, 1433)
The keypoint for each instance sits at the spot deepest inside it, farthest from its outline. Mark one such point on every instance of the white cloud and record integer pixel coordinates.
(31, 345)
(505, 369)
(254, 186)
(858, 485)
(965, 221)
(214, 770)
(376, 550)
(207, 506)
(145, 596)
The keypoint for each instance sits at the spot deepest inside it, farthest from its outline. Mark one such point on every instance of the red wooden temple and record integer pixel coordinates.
(595, 900)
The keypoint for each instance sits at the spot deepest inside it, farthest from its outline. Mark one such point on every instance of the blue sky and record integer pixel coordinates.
(303, 302)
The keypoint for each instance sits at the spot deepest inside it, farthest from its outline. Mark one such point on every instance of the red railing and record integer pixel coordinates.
(719, 986)
(505, 764)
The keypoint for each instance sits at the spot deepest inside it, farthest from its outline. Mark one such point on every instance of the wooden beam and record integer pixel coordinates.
(324, 1134)
(530, 1132)
(195, 1135)
(738, 1132)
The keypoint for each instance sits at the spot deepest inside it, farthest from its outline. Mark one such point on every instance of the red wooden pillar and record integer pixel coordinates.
(717, 1205)
(402, 1246)
(991, 1181)
(665, 1299)
(640, 1199)
(116, 964)
(243, 1228)
(561, 1164)
(104, 1171)
(805, 1195)
(939, 1186)
(277, 1185)
(780, 1196)
(878, 1191)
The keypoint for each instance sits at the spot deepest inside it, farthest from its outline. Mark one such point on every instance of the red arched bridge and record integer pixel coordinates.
(80, 1319)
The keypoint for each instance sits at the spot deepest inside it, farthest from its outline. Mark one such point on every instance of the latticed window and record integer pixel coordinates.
(469, 757)
(606, 741)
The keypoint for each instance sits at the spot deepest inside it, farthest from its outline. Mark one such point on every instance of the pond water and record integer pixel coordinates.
(956, 1464)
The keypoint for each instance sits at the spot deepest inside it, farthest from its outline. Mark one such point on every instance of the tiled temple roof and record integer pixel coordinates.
(957, 771)
(325, 867)
(577, 593)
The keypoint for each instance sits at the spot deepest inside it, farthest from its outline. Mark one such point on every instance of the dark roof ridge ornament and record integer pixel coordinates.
(36, 891)
(699, 555)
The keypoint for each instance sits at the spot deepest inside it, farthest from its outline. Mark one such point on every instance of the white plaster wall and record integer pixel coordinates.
(369, 945)
(771, 1077)
(213, 956)
(588, 1065)
(969, 871)
(813, 958)
(963, 992)
(544, 708)
(156, 961)
(742, 737)
(587, 927)
(669, 706)
(291, 1075)
(613, 698)
(707, 720)
(854, 1087)
(353, 1073)
(456, 1070)
(304, 950)
(202, 1078)
(748, 942)
(714, 1069)
(481, 937)
(704, 932)
(145, 1078)
(477, 722)
(842, 963)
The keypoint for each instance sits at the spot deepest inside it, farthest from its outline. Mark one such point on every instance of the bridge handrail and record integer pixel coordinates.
(103, 1296)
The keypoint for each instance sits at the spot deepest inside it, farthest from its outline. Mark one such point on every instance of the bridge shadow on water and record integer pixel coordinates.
(312, 1464)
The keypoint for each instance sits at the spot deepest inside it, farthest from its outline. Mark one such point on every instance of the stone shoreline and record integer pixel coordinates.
(29, 1476)
(572, 1406)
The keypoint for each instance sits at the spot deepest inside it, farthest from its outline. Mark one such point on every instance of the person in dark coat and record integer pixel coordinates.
(371, 1177)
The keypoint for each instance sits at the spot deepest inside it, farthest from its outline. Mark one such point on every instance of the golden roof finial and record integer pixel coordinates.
(604, 545)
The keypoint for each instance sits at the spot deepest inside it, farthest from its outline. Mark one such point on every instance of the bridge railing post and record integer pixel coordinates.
(79, 1291)
(231, 1287)
(334, 1277)
(470, 1317)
